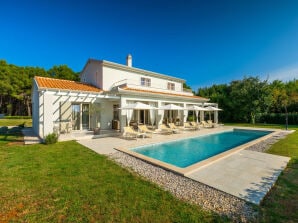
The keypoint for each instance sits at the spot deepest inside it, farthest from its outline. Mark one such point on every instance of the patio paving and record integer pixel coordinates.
(106, 145)
(246, 174)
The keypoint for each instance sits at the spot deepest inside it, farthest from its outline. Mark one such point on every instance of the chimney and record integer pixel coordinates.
(129, 60)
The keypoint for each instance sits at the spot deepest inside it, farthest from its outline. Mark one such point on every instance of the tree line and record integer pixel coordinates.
(16, 85)
(241, 100)
(244, 100)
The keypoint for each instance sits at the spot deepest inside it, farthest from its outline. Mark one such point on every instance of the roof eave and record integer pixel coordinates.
(68, 90)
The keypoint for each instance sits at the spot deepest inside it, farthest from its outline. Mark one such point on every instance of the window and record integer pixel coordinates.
(145, 82)
(171, 86)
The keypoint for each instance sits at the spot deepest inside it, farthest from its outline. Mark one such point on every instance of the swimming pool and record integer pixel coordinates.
(183, 153)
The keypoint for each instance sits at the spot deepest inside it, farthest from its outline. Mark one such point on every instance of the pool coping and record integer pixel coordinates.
(190, 169)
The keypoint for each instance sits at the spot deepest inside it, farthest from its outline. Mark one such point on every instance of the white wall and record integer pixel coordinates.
(49, 108)
(111, 76)
(106, 114)
(93, 74)
(104, 77)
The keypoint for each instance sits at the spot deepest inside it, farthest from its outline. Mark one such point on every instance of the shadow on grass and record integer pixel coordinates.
(11, 135)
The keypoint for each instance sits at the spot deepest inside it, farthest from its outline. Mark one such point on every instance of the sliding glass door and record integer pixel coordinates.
(85, 116)
(75, 116)
(80, 114)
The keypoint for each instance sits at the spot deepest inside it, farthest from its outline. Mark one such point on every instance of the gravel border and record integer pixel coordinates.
(195, 192)
(266, 144)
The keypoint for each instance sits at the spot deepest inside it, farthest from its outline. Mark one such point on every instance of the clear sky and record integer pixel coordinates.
(205, 42)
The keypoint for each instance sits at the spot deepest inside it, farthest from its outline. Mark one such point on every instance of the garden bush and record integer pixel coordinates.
(51, 138)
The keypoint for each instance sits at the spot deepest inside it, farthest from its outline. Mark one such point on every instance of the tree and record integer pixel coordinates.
(241, 100)
(63, 72)
(16, 85)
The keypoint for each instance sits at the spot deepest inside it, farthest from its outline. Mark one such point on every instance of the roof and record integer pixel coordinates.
(60, 84)
(164, 93)
(133, 69)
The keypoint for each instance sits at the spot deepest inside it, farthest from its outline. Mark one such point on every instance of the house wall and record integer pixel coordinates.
(49, 108)
(105, 77)
(92, 74)
(106, 114)
(112, 76)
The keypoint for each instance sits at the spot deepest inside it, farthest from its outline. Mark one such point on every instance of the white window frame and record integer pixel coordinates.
(145, 82)
(171, 86)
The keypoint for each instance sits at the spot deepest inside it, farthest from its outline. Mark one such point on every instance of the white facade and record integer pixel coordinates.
(121, 85)
(106, 75)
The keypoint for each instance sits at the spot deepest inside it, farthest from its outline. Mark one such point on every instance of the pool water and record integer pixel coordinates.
(183, 153)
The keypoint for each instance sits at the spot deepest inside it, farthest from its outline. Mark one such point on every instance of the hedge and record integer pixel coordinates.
(17, 117)
(277, 118)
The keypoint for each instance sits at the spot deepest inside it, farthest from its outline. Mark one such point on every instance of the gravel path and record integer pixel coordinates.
(266, 144)
(189, 190)
(195, 192)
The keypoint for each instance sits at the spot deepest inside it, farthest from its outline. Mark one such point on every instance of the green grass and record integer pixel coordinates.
(67, 182)
(16, 122)
(281, 204)
(12, 136)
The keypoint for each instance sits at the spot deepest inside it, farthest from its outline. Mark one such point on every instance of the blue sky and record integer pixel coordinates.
(205, 42)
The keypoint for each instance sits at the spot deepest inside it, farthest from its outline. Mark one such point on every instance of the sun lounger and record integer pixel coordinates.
(210, 122)
(174, 128)
(206, 125)
(187, 126)
(164, 129)
(144, 129)
(196, 125)
(129, 132)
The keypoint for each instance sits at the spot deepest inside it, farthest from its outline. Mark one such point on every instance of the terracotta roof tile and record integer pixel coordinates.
(165, 93)
(52, 83)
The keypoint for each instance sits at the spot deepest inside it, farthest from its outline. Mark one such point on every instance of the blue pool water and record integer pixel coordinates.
(183, 153)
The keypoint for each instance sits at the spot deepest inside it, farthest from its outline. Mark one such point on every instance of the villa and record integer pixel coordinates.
(104, 91)
(111, 96)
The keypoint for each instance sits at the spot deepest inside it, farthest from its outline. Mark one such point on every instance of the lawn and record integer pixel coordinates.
(15, 122)
(67, 182)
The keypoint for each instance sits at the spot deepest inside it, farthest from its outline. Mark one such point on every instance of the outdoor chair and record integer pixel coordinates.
(196, 125)
(144, 129)
(206, 125)
(164, 129)
(210, 122)
(188, 126)
(129, 132)
(174, 128)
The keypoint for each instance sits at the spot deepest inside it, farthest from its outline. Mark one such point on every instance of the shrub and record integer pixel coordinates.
(51, 138)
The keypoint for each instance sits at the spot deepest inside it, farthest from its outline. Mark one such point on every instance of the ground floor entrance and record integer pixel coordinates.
(80, 116)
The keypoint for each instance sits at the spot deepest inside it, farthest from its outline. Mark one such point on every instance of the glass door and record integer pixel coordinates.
(85, 116)
(75, 116)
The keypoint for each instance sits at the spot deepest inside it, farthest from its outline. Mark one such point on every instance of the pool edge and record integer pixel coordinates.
(188, 170)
